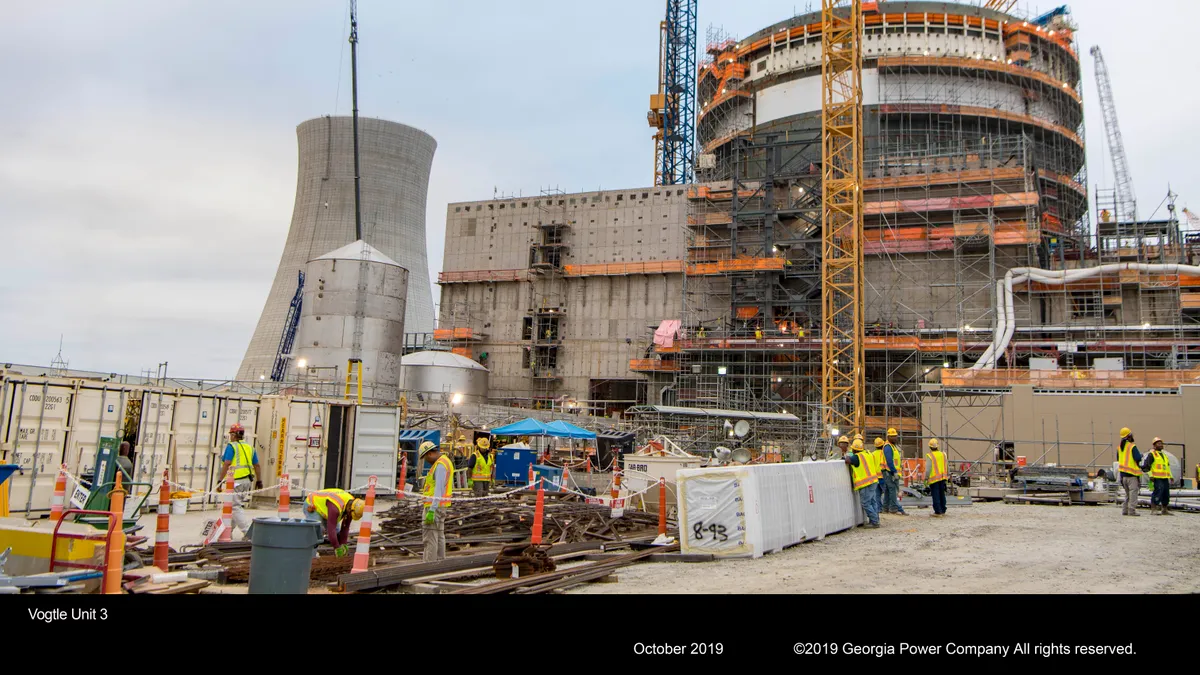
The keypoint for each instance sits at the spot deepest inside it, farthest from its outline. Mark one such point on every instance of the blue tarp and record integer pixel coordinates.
(567, 430)
(419, 435)
(526, 427)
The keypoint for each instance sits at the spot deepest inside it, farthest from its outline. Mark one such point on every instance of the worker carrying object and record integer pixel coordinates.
(890, 466)
(864, 473)
(1159, 467)
(482, 465)
(1129, 459)
(936, 477)
(437, 490)
(333, 506)
(243, 458)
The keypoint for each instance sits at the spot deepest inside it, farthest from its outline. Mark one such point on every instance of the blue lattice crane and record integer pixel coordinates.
(289, 333)
(673, 106)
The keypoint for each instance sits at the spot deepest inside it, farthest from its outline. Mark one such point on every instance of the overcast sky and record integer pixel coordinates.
(148, 147)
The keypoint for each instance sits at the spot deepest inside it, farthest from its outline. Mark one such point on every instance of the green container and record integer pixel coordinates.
(281, 555)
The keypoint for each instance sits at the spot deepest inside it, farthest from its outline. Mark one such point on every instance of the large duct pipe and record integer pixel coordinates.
(1006, 319)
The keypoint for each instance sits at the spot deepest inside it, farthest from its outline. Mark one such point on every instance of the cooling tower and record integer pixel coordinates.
(337, 287)
(395, 161)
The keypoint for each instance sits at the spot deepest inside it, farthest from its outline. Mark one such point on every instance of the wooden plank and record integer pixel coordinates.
(185, 587)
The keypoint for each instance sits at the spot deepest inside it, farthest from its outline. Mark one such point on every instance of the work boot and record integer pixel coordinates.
(1166, 510)
(1134, 513)
(873, 525)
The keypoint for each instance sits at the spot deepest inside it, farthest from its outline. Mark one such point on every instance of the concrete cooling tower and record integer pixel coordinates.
(395, 160)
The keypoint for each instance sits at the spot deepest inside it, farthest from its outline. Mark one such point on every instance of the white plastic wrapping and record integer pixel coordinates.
(751, 510)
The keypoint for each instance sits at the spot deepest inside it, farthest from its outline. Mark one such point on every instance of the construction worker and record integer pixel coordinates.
(1129, 459)
(936, 477)
(437, 491)
(843, 445)
(864, 474)
(124, 462)
(1159, 467)
(482, 463)
(882, 464)
(758, 334)
(243, 459)
(891, 466)
(332, 506)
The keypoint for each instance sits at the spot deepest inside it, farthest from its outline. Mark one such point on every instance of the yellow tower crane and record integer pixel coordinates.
(842, 377)
(1000, 5)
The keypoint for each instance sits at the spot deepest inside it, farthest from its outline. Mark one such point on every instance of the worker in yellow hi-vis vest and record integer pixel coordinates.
(936, 476)
(1159, 468)
(864, 473)
(482, 467)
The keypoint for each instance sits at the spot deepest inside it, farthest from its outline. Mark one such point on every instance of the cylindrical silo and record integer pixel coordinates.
(430, 375)
(395, 161)
(354, 294)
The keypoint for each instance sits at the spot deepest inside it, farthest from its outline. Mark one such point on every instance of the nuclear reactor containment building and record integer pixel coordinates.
(395, 160)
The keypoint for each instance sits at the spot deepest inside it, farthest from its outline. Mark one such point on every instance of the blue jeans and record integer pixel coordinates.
(891, 494)
(938, 492)
(869, 498)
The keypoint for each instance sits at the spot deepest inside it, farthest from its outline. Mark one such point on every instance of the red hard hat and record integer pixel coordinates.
(236, 428)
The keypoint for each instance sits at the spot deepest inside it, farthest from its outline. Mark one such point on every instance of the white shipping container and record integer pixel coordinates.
(301, 453)
(35, 438)
(750, 510)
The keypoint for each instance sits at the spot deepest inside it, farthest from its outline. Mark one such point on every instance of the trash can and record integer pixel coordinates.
(281, 555)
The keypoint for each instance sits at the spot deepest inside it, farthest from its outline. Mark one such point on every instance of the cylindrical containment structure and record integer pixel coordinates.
(395, 163)
(354, 295)
(281, 555)
(432, 374)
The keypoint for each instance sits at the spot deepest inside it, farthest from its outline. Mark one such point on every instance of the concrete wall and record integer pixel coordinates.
(1073, 418)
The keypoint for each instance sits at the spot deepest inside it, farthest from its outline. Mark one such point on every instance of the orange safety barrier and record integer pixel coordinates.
(974, 111)
(443, 334)
(1071, 379)
(950, 203)
(482, 275)
(653, 365)
(285, 495)
(978, 64)
(362, 550)
(621, 269)
(162, 529)
(538, 508)
(462, 351)
(403, 476)
(662, 506)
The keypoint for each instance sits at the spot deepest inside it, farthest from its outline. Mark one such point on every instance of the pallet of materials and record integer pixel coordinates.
(750, 510)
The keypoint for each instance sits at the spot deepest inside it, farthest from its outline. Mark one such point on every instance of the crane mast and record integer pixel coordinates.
(1126, 201)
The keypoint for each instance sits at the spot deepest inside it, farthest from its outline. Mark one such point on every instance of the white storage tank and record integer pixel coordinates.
(326, 334)
(429, 375)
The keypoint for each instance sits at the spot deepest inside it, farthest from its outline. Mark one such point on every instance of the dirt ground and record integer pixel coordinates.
(981, 548)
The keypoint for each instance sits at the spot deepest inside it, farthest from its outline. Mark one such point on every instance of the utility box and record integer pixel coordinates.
(513, 462)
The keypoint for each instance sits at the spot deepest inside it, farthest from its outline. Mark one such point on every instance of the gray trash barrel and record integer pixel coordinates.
(281, 554)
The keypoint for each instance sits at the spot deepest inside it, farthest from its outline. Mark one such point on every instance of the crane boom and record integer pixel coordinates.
(1000, 5)
(1126, 201)
(842, 376)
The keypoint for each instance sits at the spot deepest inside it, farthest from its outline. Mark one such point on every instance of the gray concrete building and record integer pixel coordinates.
(395, 160)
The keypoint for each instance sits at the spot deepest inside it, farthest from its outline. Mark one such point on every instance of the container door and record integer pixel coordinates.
(98, 413)
(195, 428)
(376, 437)
(154, 436)
(36, 437)
(303, 453)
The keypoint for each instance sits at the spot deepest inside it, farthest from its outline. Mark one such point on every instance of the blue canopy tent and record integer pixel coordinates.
(526, 427)
(567, 430)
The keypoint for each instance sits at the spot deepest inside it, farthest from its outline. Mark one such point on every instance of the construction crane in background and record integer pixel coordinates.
(842, 377)
(1000, 5)
(673, 107)
(1126, 201)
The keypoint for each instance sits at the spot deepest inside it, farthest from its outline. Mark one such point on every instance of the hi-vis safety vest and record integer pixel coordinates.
(880, 462)
(320, 500)
(867, 471)
(937, 466)
(1161, 467)
(431, 483)
(897, 458)
(483, 466)
(1125, 459)
(243, 459)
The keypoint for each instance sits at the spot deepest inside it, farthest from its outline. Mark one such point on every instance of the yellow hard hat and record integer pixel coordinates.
(483, 442)
(1125, 431)
(356, 508)
(858, 444)
(843, 439)
(858, 436)
(892, 432)
(933, 443)
(1156, 440)
(879, 442)
(426, 448)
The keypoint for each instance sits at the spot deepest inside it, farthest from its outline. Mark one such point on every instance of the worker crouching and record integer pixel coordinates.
(336, 509)
(865, 475)
(437, 491)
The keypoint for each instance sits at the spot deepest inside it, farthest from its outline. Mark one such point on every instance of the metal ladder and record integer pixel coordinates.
(354, 379)
(289, 333)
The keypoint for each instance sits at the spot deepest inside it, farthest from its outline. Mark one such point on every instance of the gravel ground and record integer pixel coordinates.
(982, 548)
